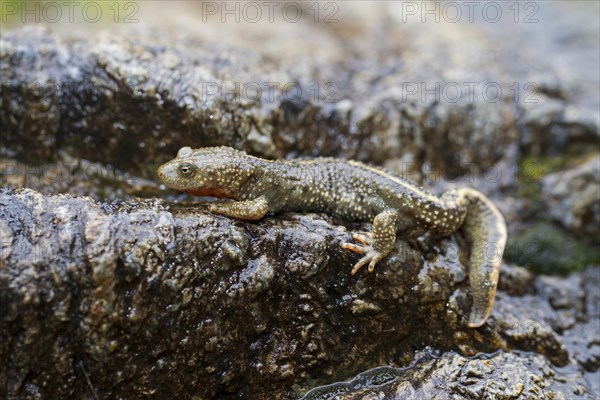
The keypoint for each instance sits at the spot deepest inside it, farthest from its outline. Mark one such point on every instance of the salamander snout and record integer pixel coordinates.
(167, 175)
(161, 173)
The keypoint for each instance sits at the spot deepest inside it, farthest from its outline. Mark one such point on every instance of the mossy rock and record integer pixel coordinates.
(549, 249)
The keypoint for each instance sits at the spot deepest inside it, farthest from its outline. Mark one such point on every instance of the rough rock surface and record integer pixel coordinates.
(573, 317)
(376, 100)
(573, 198)
(500, 376)
(123, 299)
(148, 292)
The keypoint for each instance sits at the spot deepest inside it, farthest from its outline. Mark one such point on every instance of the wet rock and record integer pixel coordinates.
(122, 299)
(357, 97)
(500, 376)
(548, 248)
(572, 197)
(556, 313)
(516, 281)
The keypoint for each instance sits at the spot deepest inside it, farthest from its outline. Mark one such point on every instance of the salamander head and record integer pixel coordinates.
(208, 171)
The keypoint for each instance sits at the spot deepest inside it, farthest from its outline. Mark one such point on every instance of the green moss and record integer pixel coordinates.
(16, 13)
(549, 249)
(545, 247)
(10, 12)
(532, 170)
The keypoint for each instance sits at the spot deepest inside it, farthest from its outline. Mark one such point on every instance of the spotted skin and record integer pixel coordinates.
(251, 210)
(353, 191)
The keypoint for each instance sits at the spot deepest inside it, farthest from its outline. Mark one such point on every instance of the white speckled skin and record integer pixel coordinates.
(349, 190)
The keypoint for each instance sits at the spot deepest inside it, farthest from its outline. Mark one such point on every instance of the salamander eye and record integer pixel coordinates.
(186, 170)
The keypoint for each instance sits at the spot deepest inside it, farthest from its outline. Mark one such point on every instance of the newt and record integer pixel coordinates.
(353, 191)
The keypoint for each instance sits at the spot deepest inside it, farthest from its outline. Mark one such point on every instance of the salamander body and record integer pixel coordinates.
(353, 191)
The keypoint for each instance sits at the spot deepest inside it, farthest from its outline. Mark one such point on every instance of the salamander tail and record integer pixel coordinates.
(485, 229)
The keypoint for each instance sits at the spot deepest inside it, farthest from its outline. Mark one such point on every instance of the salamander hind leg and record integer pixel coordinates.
(376, 244)
(251, 210)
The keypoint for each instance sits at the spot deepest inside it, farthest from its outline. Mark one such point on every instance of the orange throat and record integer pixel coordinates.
(213, 192)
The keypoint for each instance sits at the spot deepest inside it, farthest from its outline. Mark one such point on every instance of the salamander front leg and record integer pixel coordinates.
(378, 243)
(251, 210)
